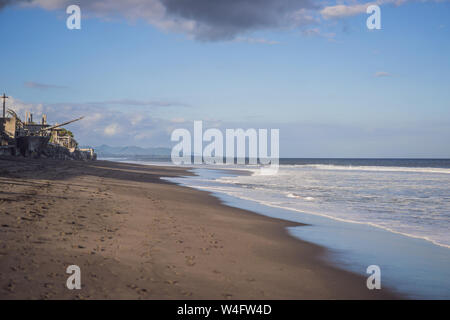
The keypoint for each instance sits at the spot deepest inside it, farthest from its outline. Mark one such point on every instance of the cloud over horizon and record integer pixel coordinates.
(121, 128)
(101, 124)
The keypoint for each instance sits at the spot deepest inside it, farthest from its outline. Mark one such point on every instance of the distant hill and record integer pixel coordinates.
(108, 151)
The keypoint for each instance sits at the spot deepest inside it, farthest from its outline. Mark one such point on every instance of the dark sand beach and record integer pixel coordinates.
(135, 236)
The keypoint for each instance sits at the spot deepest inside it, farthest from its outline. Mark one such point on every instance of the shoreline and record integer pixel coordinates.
(350, 246)
(136, 236)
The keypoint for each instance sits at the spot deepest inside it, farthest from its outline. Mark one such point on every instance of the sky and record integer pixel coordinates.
(138, 69)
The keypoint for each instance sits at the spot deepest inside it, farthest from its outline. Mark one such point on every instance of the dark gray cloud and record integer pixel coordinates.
(208, 20)
(224, 19)
(4, 3)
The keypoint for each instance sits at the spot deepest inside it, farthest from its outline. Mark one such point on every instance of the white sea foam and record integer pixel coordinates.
(411, 201)
(375, 168)
(292, 195)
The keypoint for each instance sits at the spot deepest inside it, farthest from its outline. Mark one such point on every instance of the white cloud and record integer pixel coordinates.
(112, 129)
(342, 11)
(136, 119)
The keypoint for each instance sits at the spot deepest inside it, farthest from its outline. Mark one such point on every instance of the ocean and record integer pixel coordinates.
(390, 212)
(411, 197)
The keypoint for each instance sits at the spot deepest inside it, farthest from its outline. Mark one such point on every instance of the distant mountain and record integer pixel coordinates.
(108, 151)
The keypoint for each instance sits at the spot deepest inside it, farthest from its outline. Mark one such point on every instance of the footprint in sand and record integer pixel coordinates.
(190, 260)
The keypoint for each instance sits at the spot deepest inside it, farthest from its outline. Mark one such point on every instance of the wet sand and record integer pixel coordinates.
(135, 236)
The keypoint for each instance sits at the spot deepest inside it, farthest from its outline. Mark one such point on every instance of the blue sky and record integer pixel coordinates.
(332, 87)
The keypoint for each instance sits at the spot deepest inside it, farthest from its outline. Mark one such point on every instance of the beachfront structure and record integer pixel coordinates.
(7, 126)
(63, 138)
(38, 139)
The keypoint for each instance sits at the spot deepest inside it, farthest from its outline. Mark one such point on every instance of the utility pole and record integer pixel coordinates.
(4, 97)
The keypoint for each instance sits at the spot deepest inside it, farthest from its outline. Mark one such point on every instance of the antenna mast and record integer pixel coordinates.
(4, 97)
